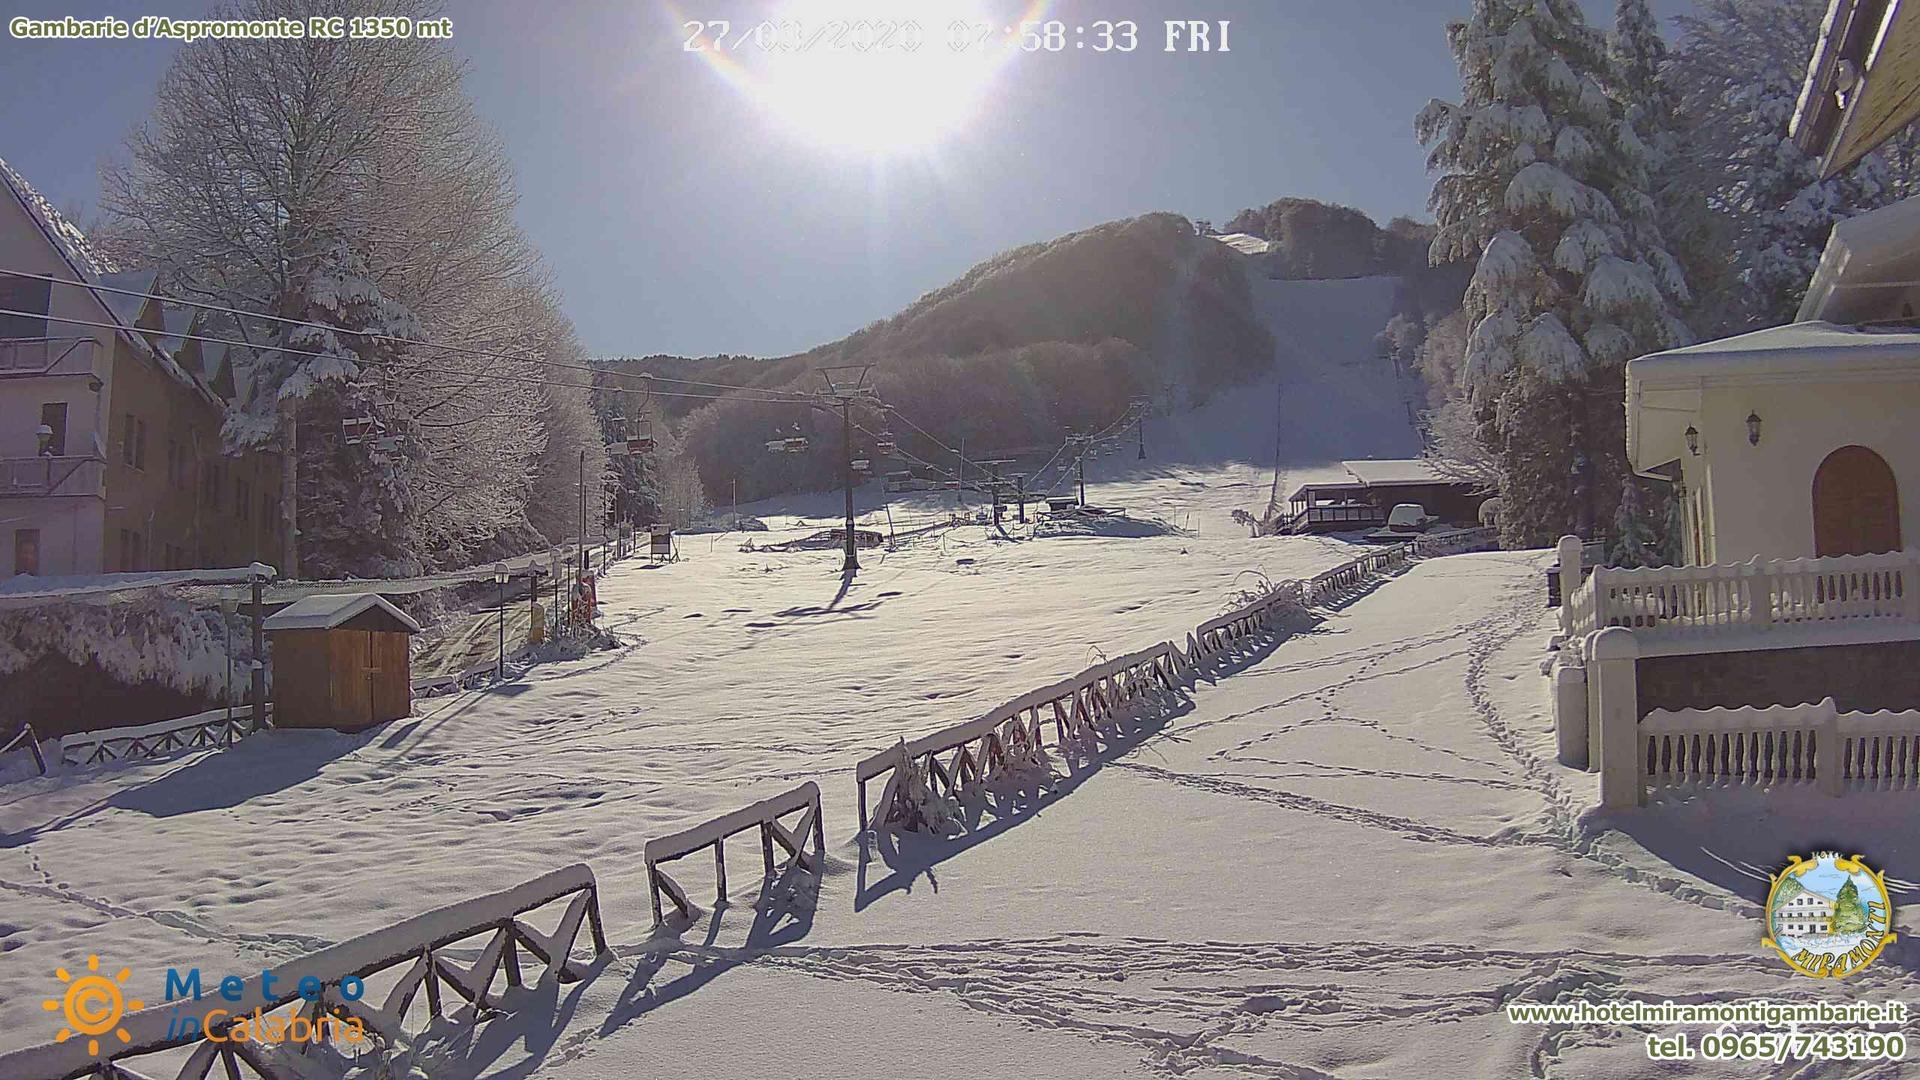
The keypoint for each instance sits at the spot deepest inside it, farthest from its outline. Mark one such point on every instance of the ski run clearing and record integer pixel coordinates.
(1339, 857)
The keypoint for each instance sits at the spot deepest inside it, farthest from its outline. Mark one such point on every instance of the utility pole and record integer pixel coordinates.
(849, 387)
(1140, 425)
(1080, 464)
(960, 477)
(994, 482)
(257, 576)
(583, 508)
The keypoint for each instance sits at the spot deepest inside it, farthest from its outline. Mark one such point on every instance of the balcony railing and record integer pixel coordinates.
(39, 356)
(1356, 514)
(42, 476)
(1681, 602)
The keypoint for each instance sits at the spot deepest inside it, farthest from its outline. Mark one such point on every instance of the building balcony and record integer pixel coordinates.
(1332, 517)
(40, 477)
(46, 356)
(1755, 604)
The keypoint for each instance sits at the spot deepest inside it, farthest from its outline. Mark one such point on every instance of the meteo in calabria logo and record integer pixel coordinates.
(93, 1005)
(1828, 915)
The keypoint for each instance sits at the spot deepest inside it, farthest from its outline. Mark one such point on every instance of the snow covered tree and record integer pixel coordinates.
(1543, 181)
(1636, 533)
(351, 184)
(1849, 915)
(1739, 70)
(1640, 80)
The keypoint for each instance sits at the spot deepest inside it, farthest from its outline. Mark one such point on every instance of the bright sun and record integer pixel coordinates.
(880, 100)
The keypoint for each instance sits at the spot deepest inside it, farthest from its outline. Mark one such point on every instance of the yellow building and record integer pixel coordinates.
(110, 450)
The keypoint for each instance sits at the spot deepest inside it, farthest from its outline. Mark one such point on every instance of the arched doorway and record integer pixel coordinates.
(1856, 504)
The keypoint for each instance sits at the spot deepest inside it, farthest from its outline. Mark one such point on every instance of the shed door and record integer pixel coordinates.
(352, 683)
(1856, 504)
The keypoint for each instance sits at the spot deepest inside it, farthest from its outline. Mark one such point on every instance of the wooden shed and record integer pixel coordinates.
(340, 661)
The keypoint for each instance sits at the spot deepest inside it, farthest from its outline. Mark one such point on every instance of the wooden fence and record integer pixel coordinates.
(1014, 734)
(766, 814)
(417, 943)
(25, 739)
(213, 729)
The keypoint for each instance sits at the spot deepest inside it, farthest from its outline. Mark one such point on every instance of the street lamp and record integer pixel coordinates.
(1693, 440)
(1753, 429)
(500, 576)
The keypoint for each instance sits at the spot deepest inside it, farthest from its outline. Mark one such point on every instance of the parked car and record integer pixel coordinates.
(1409, 518)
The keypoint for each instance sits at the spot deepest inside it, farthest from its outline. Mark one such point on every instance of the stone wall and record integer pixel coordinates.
(1857, 677)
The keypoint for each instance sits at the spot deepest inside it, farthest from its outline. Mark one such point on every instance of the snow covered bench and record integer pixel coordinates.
(336, 980)
(213, 729)
(766, 815)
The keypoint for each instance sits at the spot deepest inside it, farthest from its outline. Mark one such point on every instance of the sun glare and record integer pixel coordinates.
(851, 75)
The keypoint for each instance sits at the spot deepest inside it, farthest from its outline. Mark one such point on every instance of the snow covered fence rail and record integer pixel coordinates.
(1457, 542)
(1780, 745)
(1354, 572)
(1013, 735)
(766, 814)
(25, 739)
(1224, 632)
(210, 729)
(332, 982)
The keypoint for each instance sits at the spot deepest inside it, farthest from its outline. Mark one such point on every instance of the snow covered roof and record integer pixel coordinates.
(1245, 243)
(1391, 471)
(1663, 390)
(1381, 473)
(1867, 259)
(126, 309)
(328, 610)
(86, 260)
(89, 265)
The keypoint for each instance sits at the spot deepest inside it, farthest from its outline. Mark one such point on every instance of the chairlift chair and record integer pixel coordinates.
(355, 429)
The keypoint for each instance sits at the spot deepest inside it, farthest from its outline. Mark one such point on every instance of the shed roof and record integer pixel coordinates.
(327, 610)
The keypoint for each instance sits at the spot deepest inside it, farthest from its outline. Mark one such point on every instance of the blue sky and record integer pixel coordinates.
(680, 215)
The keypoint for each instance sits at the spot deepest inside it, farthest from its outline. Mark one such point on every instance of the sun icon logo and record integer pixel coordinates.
(93, 1005)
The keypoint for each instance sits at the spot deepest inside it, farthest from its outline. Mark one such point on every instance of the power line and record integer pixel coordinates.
(416, 342)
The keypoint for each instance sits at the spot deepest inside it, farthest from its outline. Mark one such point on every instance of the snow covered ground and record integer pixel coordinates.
(1341, 859)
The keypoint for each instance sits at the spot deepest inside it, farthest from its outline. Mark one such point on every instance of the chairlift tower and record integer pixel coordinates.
(845, 383)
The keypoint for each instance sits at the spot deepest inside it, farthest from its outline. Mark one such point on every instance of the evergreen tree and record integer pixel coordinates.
(1636, 530)
(1849, 915)
(1543, 180)
(1739, 70)
(1640, 81)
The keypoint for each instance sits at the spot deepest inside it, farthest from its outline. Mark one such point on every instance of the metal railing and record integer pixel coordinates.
(26, 477)
(39, 356)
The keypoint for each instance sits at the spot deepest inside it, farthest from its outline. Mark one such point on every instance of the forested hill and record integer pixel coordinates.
(1036, 342)
(1021, 349)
